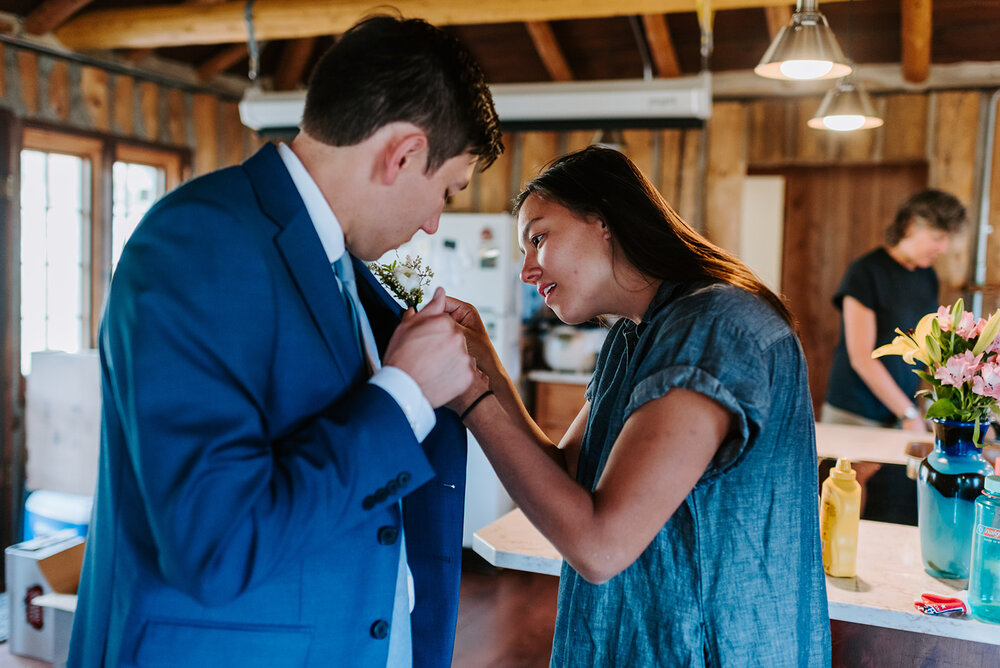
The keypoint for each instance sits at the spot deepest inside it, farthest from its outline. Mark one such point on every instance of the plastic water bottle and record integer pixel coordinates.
(984, 569)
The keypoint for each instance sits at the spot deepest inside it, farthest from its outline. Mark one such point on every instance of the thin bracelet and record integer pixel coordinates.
(474, 404)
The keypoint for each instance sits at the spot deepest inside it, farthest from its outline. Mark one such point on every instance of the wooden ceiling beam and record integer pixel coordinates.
(51, 14)
(777, 17)
(184, 24)
(661, 46)
(549, 51)
(222, 61)
(915, 29)
(292, 65)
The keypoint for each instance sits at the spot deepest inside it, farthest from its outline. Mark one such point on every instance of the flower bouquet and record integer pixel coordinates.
(961, 356)
(405, 278)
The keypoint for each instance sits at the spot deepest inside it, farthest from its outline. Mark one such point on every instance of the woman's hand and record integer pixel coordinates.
(476, 338)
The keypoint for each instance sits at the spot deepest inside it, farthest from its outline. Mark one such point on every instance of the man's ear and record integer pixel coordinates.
(403, 151)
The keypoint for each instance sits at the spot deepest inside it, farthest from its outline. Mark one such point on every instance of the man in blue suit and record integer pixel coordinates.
(281, 483)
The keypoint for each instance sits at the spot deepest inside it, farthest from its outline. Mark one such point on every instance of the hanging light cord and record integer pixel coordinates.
(254, 52)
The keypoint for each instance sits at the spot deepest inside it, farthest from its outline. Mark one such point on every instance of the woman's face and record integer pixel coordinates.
(568, 259)
(922, 244)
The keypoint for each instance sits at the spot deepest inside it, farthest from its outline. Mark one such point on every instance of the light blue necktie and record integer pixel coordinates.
(363, 331)
(345, 277)
(400, 649)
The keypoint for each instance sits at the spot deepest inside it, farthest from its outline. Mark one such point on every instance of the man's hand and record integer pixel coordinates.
(430, 347)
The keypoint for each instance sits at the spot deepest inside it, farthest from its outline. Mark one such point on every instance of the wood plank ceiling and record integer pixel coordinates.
(516, 41)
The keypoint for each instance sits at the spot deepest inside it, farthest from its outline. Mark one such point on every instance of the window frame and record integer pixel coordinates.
(102, 151)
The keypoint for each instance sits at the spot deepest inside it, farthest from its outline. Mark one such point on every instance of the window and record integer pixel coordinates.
(68, 246)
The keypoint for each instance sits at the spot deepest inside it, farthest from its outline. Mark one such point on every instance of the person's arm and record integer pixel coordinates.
(660, 454)
(860, 338)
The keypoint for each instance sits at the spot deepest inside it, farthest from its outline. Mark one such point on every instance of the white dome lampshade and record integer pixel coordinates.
(805, 49)
(844, 108)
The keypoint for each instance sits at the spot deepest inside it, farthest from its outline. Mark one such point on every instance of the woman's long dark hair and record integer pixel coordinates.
(604, 183)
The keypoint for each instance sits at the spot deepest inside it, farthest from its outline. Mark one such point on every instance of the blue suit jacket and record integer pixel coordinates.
(247, 505)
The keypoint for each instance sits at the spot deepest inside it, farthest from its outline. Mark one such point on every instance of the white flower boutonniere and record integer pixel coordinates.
(404, 278)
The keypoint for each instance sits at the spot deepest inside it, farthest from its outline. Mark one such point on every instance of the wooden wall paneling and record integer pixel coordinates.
(689, 184)
(27, 74)
(727, 167)
(576, 140)
(58, 91)
(953, 161)
(231, 136)
(537, 149)
(149, 110)
(767, 132)
(833, 215)
(495, 187)
(94, 93)
(905, 129)
(124, 105)
(640, 147)
(668, 181)
(206, 133)
(177, 117)
(811, 145)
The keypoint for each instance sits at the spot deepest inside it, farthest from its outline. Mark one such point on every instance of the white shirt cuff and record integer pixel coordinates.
(410, 398)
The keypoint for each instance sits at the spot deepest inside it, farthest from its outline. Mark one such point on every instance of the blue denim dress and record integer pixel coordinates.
(735, 577)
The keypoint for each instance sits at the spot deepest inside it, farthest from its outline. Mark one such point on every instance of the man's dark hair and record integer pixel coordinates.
(387, 69)
(938, 210)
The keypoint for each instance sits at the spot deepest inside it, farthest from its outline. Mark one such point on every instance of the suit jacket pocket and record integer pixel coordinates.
(171, 644)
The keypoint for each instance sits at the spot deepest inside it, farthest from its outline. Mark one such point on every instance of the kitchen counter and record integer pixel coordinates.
(567, 377)
(890, 577)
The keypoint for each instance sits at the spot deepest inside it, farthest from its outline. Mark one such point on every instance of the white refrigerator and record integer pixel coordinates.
(474, 257)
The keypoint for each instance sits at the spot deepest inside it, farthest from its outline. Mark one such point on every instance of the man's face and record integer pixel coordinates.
(414, 202)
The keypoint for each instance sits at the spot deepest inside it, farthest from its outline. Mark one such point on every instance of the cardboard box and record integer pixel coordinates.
(35, 568)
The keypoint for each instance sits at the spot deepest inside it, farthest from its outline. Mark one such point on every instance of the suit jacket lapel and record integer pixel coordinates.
(382, 310)
(300, 247)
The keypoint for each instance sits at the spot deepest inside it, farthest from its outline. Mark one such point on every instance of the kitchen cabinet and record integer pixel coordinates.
(558, 399)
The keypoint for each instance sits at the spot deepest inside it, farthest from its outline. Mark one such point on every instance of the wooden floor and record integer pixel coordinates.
(505, 618)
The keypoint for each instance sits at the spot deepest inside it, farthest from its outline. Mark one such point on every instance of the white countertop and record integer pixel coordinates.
(869, 444)
(890, 576)
(568, 377)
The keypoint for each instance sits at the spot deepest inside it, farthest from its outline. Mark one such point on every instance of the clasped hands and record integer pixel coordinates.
(439, 347)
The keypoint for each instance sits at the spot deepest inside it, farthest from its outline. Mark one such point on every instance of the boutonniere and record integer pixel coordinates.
(405, 278)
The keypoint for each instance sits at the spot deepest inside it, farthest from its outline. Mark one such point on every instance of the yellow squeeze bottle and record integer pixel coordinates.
(840, 510)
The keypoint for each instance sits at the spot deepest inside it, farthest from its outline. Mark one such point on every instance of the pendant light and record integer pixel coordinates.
(846, 107)
(804, 49)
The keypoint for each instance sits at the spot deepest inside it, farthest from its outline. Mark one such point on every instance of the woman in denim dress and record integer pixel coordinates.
(683, 496)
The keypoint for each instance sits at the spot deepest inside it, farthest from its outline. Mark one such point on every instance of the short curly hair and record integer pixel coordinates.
(938, 209)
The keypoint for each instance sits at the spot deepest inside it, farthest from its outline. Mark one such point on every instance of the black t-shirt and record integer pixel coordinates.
(899, 297)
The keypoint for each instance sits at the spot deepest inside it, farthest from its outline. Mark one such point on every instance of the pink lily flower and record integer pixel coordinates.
(967, 326)
(987, 384)
(959, 369)
(944, 318)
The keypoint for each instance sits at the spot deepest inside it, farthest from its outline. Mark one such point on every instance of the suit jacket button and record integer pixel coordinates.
(392, 486)
(403, 479)
(368, 503)
(387, 535)
(381, 495)
(380, 629)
